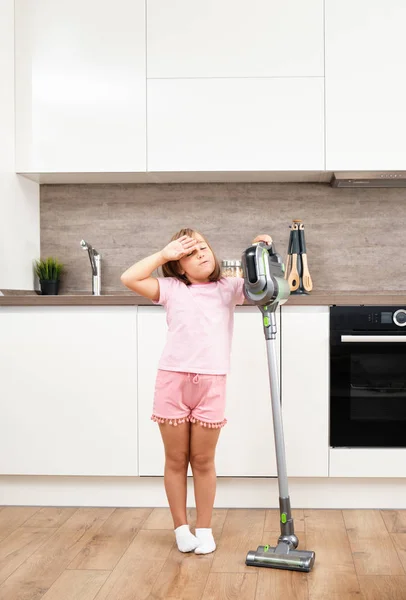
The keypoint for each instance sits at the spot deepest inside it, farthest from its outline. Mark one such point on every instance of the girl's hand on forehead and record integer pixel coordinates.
(179, 248)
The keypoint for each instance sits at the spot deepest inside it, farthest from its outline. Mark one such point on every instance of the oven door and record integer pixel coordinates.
(368, 390)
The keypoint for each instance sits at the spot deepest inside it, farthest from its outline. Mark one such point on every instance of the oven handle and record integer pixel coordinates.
(373, 338)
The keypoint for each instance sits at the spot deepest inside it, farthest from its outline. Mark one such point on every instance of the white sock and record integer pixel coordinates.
(206, 541)
(185, 539)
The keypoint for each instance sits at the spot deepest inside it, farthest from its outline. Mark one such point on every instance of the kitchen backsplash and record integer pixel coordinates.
(355, 238)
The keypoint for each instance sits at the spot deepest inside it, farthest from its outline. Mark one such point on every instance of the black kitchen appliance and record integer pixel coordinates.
(368, 376)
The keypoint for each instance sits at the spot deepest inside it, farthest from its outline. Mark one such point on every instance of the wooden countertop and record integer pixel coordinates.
(316, 298)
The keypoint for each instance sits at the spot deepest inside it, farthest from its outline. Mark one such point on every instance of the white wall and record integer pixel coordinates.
(19, 197)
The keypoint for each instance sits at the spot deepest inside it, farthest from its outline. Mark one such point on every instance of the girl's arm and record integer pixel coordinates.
(138, 277)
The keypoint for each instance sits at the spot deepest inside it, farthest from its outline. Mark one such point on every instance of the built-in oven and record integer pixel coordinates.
(368, 376)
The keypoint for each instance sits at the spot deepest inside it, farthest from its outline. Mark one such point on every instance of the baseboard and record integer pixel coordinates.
(231, 492)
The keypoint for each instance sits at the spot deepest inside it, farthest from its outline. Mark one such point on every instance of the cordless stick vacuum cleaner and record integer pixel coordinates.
(266, 287)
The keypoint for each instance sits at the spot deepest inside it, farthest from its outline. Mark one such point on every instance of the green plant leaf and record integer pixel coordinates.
(48, 269)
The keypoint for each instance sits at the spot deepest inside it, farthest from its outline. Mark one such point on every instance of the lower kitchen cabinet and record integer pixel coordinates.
(367, 462)
(305, 389)
(246, 446)
(151, 328)
(77, 387)
(68, 391)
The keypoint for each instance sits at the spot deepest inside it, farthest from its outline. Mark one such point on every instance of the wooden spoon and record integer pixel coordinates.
(306, 279)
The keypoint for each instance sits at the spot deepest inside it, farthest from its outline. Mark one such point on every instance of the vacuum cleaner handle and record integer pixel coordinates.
(251, 265)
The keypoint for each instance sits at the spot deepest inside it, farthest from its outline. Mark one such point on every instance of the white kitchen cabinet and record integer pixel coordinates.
(365, 90)
(246, 446)
(234, 38)
(367, 462)
(68, 391)
(305, 389)
(151, 336)
(236, 124)
(80, 86)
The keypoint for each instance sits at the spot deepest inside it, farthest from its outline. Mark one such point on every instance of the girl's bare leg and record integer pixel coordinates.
(176, 442)
(203, 441)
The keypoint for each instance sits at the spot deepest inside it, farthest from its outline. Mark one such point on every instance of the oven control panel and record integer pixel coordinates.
(367, 318)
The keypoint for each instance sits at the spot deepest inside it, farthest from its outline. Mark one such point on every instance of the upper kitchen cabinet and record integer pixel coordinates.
(232, 124)
(80, 86)
(365, 88)
(234, 38)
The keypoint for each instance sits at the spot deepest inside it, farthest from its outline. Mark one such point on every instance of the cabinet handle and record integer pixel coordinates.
(373, 338)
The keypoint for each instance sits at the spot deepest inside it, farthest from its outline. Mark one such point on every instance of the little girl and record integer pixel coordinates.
(190, 388)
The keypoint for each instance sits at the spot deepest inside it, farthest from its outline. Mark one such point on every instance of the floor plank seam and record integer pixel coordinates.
(256, 585)
(391, 541)
(201, 597)
(105, 583)
(146, 518)
(162, 566)
(222, 527)
(352, 556)
(398, 551)
(380, 512)
(398, 554)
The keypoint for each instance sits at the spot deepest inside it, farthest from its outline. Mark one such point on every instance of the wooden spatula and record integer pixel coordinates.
(306, 279)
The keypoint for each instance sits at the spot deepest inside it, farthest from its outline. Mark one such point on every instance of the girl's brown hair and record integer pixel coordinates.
(171, 268)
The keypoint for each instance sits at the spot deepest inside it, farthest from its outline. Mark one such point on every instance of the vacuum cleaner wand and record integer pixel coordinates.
(266, 287)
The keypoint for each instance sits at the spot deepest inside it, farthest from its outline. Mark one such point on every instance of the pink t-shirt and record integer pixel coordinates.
(200, 320)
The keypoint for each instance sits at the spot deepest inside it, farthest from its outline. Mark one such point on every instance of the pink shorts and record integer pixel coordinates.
(197, 398)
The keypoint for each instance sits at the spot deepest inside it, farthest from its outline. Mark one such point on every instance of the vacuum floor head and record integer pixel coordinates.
(281, 557)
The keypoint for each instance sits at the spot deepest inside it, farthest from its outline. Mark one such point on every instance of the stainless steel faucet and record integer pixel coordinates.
(95, 262)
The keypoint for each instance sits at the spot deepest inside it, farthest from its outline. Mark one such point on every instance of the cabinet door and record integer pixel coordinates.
(235, 124)
(68, 391)
(367, 462)
(151, 338)
(235, 38)
(365, 89)
(305, 389)
(246, 446)
(80, 86)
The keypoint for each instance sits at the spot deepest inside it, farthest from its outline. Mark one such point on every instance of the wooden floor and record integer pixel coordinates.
(128, 554)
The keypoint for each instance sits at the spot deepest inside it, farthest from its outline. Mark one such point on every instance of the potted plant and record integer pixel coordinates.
(49, 272)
